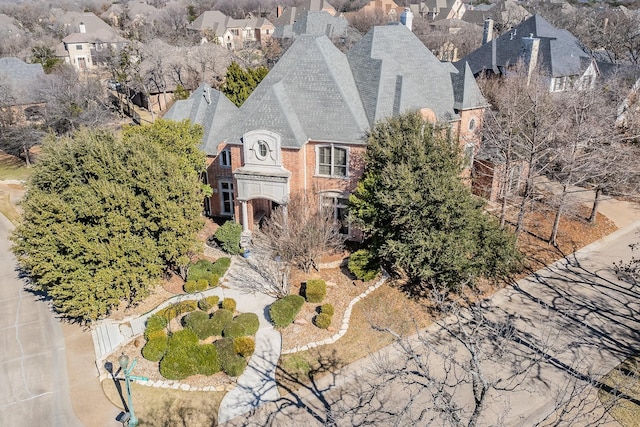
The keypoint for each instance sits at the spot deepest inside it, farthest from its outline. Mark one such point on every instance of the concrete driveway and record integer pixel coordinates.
(33, 368)
(575, 318)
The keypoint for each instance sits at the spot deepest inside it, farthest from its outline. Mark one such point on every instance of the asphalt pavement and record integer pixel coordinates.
(33, 368)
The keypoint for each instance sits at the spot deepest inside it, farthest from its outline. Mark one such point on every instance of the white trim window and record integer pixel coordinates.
(226, 198)
(332, 161)
(339, 203)
(225, 158)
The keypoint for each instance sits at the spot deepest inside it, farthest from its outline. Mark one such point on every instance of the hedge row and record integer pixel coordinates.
(204, 273)
(177, 309)
(284, 310)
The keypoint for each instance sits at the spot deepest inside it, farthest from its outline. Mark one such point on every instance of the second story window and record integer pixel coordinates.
(78, 47)
(235, 32)
(225, 158)
(332, 161)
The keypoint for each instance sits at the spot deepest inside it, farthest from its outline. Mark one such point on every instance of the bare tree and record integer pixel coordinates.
(270, 275)
(301, 231)
(364, 20)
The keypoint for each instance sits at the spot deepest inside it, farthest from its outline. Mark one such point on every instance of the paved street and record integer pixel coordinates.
(33, 368)
(575, 317)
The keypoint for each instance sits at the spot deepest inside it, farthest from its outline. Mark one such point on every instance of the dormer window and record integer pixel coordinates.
(225, 158)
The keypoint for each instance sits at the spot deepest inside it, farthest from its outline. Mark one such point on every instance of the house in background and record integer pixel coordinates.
(89, 40)
(302, 128)
(438, 9)
(538, 44)
(314, 22)
(232, 33)
(505, 14)
(137, 12)
(21, 90)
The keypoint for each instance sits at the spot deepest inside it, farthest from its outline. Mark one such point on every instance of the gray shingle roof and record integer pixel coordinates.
(559, 53)
(209, 108)
(310, 94)
(314, 23)
(390, 63)
(23, 80)
(317, 93)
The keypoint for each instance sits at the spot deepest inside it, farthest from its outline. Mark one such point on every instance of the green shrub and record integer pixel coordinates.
(155, 322)
(200, 323)
(284, 310)
(229, 304)
(190, 286)
(244, 346)
(206, 359)
(178, 363)
(213, 279)
(207, 303)
(322, 320)
(363, 265)
(220, 319)
(234, 330)
(228, 236)
(177, 309)
(327, 309)
(156, 346)
(249, 321)
(232, 364)
(315, 290)
(202, 284)
(221, 266)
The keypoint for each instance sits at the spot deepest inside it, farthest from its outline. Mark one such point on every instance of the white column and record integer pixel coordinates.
(245, 216)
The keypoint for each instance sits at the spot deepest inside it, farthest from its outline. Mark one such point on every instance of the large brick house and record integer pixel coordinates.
(302, 128)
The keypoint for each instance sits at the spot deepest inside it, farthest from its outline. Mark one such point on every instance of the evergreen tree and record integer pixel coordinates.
(240, 83)
(105, 217)
(421, 220)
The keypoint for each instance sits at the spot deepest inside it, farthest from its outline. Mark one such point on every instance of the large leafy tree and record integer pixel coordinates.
(240, 83)
(420, 218)
(106, 216)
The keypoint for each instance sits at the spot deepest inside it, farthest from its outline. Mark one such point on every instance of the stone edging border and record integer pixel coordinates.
(345, 320)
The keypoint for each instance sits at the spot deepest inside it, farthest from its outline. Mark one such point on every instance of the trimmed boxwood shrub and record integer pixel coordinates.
(177, 309)
(249, 321)
(327, 309)
(322, 321)
(220, 319)
(232, 363)
(284, 310)
(200, 323)
(202, 284)
(229, 304)
(178, 362)
(207, 303)
(315, 290)
(228, 236)
(156, 346)
(190, 286)
(213, 279)
(221, 266)
(203, 270)
(244, 346)
(234, 330)
(155, 322)
(363, 265)
(206, 359)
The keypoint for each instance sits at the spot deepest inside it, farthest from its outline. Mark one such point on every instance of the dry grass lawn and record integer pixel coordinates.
(624, 377)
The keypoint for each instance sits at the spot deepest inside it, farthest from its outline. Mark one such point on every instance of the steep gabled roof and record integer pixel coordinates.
(559, 51)
(314, 22)
(295, 13)
(213, 20)
(209, 108)
(390, 63)
(466, 92)
(310, 94)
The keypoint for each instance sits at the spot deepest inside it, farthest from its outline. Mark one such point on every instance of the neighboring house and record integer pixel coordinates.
(438, 9)
(504, 13)
(538, 44)
(302, 128)
(314, 22)
(388, 7)
(138, 13)
(20, 90)
(88, 41)
(232, 33)
(290, 15)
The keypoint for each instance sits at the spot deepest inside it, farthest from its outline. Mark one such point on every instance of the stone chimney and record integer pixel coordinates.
(83, 29)
(406, 18)
(487, 34)
(530, 47)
